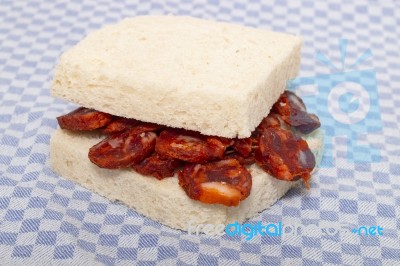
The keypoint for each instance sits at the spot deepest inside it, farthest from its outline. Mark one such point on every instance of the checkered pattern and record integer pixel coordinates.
(45, 219)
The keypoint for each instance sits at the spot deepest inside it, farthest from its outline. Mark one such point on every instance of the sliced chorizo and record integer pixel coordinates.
(249, 160)
(119, 125)
(157, 167)
(293, 111)
(272, 120)
(123, 124)
(243, 146)
(284, 155)
(287, 101)
(190, 146)
(303, 121)
(122, 149)
(146, 127)
(84, 119)
(224, 182)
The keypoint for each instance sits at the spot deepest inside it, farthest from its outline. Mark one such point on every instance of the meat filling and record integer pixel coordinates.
(210, 169)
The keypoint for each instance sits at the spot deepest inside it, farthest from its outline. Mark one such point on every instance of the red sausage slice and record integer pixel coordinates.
(84, 119)
(284, 155)
(190, 146)
(122, 150)
(157, 167)
(224, 182)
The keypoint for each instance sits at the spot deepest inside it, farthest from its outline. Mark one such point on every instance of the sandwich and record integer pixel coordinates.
(183, 119)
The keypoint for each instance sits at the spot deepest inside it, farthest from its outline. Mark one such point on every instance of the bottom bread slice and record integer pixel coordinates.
(163, 200)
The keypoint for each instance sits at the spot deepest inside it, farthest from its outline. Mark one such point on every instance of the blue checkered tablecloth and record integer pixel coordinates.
(48, 220)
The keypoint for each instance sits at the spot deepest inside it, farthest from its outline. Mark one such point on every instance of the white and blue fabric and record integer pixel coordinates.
(46, 219)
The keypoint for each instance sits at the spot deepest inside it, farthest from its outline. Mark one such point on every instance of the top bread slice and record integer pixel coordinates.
(213, 77)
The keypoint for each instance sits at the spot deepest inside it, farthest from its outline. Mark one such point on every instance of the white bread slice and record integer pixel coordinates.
(163, 200)
(216, 78)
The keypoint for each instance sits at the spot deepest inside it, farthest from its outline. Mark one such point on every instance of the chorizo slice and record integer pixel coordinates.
(122, 149)
(249, 160)
(190, 146)
(224, 182)
(272, 120)
(243, 146)
(119, 125)
(303, 121)
(84, 119)
(284, 155)
(293, 111)
(122, 124)
(146, 127)
(157, 167)
(287, 101)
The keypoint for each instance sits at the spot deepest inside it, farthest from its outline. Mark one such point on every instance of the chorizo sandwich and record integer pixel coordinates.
(184, 119)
